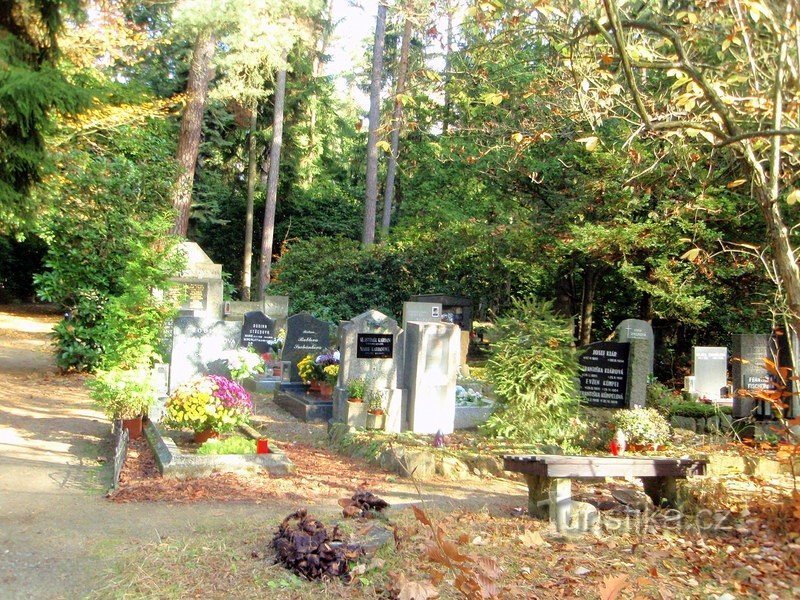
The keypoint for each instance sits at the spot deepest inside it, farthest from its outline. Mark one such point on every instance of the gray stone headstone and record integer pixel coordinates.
(305, 334)
(749, 372)
(421, 312)
(276, 307)
(433, 353)
(196, 343)
(636, 329)
(258, 332)
(236, 310)
(365, 343)
(710, 369)
(640, 367)
(371, 334)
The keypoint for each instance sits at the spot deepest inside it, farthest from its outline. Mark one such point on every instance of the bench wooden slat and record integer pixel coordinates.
(589, 466)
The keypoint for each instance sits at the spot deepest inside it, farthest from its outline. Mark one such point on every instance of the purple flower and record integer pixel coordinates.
(231, 394)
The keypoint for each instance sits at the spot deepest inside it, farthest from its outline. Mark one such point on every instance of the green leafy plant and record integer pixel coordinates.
(123, 393)
(642, 426)
(232, 445)
(356, 388)
(209, 402)
(533, 368)
(375, 402)
(660, 397)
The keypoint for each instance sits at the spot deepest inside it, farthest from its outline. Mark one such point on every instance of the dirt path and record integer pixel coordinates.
(59, 536)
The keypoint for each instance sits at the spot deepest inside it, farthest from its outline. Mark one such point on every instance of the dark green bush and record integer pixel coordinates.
(697, 410)
(533, 368)
(108, 249)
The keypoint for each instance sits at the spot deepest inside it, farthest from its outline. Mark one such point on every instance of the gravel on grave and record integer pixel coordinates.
(319, 472)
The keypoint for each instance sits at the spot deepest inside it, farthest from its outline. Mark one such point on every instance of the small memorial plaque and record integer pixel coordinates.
(258, 332)
(375, 345)
(604, 377)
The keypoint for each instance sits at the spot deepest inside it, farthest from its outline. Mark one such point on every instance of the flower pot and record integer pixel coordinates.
(134, 427)
(325, 389)
(313, 386)
(355, 414)
(203, 436)
(376, 421)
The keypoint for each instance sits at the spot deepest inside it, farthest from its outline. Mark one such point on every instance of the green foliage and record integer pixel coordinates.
(697, 410)
(123, 393)
(356, 388)
(231, 445)
(660, 398)
(32, 89)
(642, 426)
(335, 279)
(533, 368)
(108, 250)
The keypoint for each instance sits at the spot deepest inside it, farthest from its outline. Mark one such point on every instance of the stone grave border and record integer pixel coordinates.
(178, 465)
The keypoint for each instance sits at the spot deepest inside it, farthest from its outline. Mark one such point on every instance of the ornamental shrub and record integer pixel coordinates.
(108, 248)
(533, 368)
(697, 410)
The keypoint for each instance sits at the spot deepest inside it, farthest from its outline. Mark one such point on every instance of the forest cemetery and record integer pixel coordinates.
(399, 300)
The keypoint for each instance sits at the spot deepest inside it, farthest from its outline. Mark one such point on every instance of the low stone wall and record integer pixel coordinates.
(721, 423)
(421, 462)
(176, 464)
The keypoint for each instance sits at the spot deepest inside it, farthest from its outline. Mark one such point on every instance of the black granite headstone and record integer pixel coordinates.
(375, 345)
(749, 370)
(258, 332)
(604, 376)
(305, 335)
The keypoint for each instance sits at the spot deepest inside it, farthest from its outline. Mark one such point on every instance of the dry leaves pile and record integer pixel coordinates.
(362, 504)
(304, 546)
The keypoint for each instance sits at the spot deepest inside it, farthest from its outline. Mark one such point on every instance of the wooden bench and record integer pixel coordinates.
(549, 478)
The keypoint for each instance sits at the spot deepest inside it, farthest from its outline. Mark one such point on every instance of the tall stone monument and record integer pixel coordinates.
(198, 288)
(432, 361)
(636, 329)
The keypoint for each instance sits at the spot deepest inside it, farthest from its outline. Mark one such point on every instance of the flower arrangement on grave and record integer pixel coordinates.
(331, 374)
(642, 426)
(308, 369)
(470, 397)
(243, 362)
(211, 402)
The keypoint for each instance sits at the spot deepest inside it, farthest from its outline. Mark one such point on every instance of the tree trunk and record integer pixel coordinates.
(252, 176)
(391, 168)
(272, 184)
(313, 150)
(590, 278)
(191, 128)
(371, 195)
(447, 67)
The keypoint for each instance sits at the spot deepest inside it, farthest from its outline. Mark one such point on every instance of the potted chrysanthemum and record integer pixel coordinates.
(209, 405)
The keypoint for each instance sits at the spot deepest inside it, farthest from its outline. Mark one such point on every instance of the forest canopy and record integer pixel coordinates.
(619, 159)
